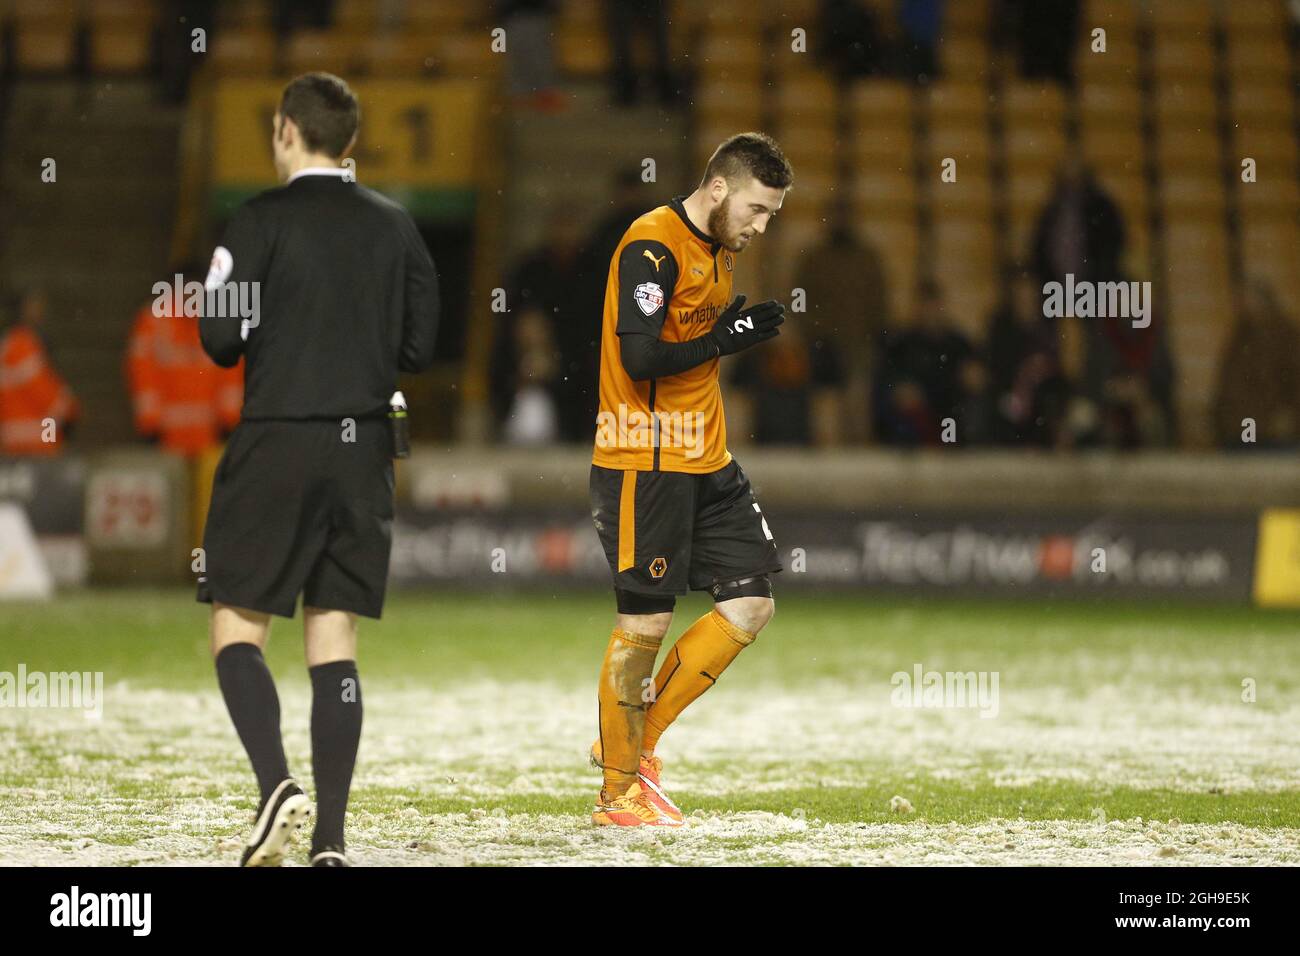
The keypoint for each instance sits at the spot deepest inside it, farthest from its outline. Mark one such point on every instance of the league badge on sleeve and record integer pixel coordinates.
(650, 297)
(223, 263)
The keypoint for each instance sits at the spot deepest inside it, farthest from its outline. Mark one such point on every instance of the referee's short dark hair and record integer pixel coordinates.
(755, 154)
(325, 110)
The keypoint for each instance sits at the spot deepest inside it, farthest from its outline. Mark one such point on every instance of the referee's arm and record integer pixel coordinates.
(420, 319)
(241, 258)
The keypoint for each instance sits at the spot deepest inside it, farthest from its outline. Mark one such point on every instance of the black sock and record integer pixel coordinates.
(335, 735)
(254, 707)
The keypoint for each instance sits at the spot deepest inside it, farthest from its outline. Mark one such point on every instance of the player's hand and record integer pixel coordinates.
(739, 328)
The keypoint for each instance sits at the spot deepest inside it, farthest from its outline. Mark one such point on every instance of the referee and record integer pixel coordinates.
(302, 501)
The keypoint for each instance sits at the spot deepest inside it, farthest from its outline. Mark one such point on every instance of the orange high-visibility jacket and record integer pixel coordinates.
(177, 392)
(30, 393)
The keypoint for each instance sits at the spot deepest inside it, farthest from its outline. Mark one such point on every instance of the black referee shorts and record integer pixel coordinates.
(297, 510)
(665, 532)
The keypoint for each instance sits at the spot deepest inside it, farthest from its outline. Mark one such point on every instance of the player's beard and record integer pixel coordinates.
(719, 226)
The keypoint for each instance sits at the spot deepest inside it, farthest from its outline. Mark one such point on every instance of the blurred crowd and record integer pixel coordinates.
(849, 372)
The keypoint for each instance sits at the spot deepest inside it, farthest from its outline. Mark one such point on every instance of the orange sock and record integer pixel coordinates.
(692, 667)
(624, 691)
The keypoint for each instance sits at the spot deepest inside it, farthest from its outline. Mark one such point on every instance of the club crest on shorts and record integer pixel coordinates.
(658, 568)
(649, 296)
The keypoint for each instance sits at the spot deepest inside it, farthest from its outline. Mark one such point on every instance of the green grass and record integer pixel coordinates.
(479, 706)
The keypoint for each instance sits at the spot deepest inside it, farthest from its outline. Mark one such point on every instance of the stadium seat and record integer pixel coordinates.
(1263, 58)
(963, 58)
(969, 198)
(1190, 196)
(44, 50)
(888, 143)
(1110, 103)
(736, 56)
(719, 102)
(807, 96)
(329, 50)
(1271, 148)
(1262, 18)
(883, 192)
(878, 101)
(468, 53)
(1263, 103)
(1114, 151)
(1033, 147)
(1119, 64)
(1026, 104)
(1276, 196)
(810, 146)
(243, 51)
(356, 17)
(968, 18)
(1173, 17)
(121, 49)
(957, 101)
(398, 54)
(1177, 56)
(242, 15)
(582, 49)
(970, 146)
(1187, 150)
(1187, 103)
(897, 243)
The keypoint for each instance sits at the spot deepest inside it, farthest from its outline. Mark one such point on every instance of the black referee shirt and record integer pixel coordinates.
(348, 299)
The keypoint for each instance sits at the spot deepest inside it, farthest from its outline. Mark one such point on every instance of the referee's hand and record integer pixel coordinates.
(739, 328)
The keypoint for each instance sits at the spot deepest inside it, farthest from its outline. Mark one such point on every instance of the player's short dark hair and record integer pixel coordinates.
(752, 154)
(325, 110)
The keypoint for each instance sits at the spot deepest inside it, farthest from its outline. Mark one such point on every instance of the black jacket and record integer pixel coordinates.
(347, 296)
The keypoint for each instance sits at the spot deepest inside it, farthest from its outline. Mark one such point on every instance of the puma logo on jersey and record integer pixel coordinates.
(648, 255)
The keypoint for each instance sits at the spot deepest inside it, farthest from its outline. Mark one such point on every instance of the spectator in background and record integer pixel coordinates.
(1129, 380)
(922, 378)
(1044, 32)
(545, 282)
(629, 21)
(176, 56)
(37, 409)
(181, 400)
(850, 40)
(1030, 390)
(847, 298)
(581, 336)
(795, 389)
(531, 387)
(919, 23)
(530, 27)
(291, 15)
(1080, 230)
(1259, 374)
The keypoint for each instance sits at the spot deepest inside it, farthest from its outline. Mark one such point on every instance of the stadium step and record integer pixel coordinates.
(561, 157)
(97, 238)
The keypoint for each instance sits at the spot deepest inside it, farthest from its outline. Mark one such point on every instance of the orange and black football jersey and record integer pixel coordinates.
(670, 280)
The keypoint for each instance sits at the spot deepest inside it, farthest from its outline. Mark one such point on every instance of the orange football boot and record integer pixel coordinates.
(648, 771)
(633, 809)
